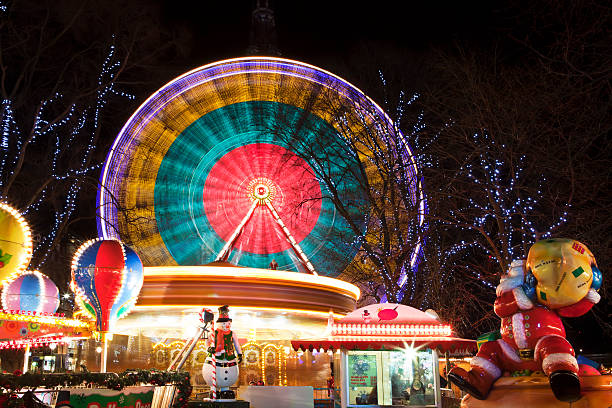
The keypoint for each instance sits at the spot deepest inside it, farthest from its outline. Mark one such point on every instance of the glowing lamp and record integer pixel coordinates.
(31, 292)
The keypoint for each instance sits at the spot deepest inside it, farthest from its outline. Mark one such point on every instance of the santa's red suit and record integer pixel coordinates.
(532, 338)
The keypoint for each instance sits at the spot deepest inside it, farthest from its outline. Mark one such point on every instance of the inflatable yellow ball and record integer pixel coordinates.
(562, 268)
(15, 243)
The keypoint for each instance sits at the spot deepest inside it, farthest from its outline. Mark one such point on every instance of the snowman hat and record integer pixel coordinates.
(224, 314)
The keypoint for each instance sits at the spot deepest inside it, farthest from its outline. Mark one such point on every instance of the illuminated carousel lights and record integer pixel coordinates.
(246, 308)
(30, 313)
(177, 344)
(26, 256)
(38, 342)
(245, 273)
(42, 319)
(279, 350)
(412, 330)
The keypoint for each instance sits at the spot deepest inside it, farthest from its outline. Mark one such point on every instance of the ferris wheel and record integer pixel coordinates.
(216, 166)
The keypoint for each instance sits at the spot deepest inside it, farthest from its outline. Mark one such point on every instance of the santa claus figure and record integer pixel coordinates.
(560, 281)
(223, 344)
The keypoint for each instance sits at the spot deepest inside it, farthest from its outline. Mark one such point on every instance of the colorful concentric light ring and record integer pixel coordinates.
(185, 168)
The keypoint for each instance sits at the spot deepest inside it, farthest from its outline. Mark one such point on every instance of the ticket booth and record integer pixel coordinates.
(386, 355)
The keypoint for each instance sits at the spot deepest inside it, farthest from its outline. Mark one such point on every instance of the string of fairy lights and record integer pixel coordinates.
(74, 132)
(405, 173)
(506, 202)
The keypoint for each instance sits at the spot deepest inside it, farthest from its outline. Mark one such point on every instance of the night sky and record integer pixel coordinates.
(319, 31)
(354, 40)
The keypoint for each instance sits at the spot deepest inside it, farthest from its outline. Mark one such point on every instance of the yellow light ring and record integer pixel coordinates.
(277, 350)
(26, 256)
(251, 345)
(223, 273)
(323, 315)
(176, 344)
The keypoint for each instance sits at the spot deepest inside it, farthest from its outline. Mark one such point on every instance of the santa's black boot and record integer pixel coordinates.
(565, 385)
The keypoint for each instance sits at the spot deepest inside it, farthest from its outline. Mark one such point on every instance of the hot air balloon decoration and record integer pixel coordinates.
(106, 277)
(31, 291)
(15, 243)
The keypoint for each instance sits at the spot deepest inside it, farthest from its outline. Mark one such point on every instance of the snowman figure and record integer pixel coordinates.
(367, 318)
(223, 343)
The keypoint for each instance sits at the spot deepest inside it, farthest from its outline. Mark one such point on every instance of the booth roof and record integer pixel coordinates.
(387, 326)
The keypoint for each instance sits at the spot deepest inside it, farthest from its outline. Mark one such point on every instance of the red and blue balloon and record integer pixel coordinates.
(107, 277)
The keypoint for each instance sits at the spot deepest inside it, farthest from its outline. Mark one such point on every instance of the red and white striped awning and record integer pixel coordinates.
(387, 327)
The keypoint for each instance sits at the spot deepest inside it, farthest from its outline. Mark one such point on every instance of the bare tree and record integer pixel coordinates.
(521, 149)
(63, 68)
(51, 121)
(372, 178)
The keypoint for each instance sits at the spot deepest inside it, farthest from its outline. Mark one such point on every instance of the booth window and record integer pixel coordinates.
(401, 378)
(363, 377)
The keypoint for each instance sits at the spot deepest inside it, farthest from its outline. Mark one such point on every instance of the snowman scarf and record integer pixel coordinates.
(224, 342)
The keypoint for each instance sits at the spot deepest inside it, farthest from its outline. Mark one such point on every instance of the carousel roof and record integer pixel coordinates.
(387, 326)
(19, 328)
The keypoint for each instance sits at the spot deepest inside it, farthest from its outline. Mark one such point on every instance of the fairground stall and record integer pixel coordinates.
(387, 355)
(49, 341)
(28, 318)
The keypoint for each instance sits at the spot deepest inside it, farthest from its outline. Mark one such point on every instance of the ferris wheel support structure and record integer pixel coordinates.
(227, 248)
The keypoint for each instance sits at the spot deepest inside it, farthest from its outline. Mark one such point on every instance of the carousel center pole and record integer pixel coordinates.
(26, 359)
(104, 354)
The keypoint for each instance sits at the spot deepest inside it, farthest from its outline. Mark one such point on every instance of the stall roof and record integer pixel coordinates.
(386, 326)
(19, 328)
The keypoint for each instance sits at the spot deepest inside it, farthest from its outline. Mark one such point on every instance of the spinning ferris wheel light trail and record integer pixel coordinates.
(222, 164)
